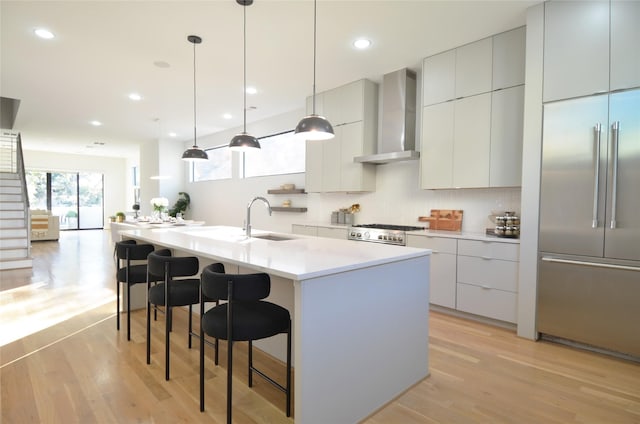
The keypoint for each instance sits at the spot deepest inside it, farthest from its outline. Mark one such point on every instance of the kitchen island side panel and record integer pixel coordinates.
(361, 340)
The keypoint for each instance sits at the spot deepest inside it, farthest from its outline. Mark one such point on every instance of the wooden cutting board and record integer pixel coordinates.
(443, 219)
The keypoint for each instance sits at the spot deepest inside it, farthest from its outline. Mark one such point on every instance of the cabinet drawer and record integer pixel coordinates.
(488, 273)
(489, 249)
(496, 304)
(437, 244)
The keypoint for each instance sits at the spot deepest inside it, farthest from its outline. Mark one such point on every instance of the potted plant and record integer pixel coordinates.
(181, 205)
(120, 216)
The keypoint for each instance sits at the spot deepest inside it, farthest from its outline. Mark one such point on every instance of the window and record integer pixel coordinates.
(76, 197)
(279, 154)
(218, 167)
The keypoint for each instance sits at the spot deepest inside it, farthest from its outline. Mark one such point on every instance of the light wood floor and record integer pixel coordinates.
(81, 370)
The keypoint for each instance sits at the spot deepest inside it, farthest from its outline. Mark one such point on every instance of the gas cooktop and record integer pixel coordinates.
(381, 233)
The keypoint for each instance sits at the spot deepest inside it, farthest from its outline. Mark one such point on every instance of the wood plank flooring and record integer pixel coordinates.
(81, 370)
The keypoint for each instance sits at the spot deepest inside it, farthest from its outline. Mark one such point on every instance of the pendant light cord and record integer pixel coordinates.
(244, 60)
(195, 144)
(314, 57)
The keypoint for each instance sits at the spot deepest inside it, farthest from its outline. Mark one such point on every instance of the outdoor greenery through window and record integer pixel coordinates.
(279, 154)
(218, 167)
(76, 197)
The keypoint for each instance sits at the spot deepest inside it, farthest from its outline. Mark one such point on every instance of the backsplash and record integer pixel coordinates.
(399, 200)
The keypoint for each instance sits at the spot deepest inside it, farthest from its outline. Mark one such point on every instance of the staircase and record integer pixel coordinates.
(15, 235)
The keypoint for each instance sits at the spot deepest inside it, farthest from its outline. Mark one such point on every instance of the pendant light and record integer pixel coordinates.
(314, 127)
(195, 153)
(244, 141)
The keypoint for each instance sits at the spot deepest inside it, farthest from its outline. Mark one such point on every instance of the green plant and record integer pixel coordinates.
(120, 214)
(181, 205)
(72, 214)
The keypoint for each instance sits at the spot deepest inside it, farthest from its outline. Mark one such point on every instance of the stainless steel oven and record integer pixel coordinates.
(381, 233)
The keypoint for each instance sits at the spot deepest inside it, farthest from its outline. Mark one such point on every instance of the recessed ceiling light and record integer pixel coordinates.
(227, 116)
(135, 96)
(251, 90)
(362, 43)
(172, 134)
(44, 33)
(96, 123)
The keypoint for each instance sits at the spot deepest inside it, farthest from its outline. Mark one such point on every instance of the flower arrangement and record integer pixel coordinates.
(159, 203)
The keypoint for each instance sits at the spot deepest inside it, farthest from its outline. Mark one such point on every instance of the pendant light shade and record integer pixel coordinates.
(195, 153)
(244, 141)
(314, 127)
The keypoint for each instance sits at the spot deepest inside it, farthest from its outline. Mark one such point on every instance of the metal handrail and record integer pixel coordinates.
(21, 171)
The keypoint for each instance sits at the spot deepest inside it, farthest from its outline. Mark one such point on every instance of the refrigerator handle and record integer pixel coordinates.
(615, 133)
(597, 131)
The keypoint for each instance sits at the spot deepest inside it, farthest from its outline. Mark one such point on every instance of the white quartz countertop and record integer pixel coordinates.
(463, 236)
(297, 258)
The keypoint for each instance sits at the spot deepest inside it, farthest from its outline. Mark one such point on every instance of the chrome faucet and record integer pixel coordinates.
(248, 222)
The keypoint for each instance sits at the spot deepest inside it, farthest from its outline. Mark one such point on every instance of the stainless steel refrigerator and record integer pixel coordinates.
(589, 244)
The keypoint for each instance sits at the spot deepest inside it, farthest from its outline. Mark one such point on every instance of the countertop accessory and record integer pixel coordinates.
(444, 219)
(244, 141)
(195, 153)
(288, 186)
(314, 127)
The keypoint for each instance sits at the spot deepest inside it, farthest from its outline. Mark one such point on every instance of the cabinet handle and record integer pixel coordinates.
(597, 131)
(486, 287)
(593, 264)
(435, 251)
(615, 132)
(487, 258)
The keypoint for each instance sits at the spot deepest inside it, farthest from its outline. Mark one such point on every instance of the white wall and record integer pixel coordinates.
(116, 194)
(397, 199)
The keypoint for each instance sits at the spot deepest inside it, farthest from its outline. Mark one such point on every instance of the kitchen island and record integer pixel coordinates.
(359, 310)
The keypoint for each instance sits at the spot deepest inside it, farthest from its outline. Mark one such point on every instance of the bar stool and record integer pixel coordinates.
(174, 290)
(245, 317)
(126, 251)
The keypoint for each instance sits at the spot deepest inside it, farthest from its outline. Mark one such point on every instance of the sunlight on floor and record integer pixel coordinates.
(34, 307)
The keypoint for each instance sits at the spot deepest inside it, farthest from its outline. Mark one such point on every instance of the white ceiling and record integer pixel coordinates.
(104, 50)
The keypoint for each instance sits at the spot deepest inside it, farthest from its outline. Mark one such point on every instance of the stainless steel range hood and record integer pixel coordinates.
(398, 134)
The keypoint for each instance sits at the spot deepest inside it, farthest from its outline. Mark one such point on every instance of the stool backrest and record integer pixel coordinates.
(129, 249)
(160, 262)
(246, 287)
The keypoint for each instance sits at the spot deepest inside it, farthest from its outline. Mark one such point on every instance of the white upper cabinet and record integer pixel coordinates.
(439, 78)
(507, 115)
(579, 43)
(352, 110)
(472, 141)
(625, 44)
(576, 49)
(473, 68)
(508, 58)
(473, 114)
(436, 156)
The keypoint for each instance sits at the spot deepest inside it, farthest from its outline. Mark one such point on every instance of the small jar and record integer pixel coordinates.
(508, 231)
(500, 230)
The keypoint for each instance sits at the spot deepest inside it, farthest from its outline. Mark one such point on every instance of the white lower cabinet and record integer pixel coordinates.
(473, 276)
(330, 232)
(442, 275)
(319, 231)
(487, 279)
(304, 230)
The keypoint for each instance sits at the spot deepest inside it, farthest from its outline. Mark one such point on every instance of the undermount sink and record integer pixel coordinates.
(272, 237)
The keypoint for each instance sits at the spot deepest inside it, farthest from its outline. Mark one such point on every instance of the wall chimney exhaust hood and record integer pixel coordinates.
(398, 134)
